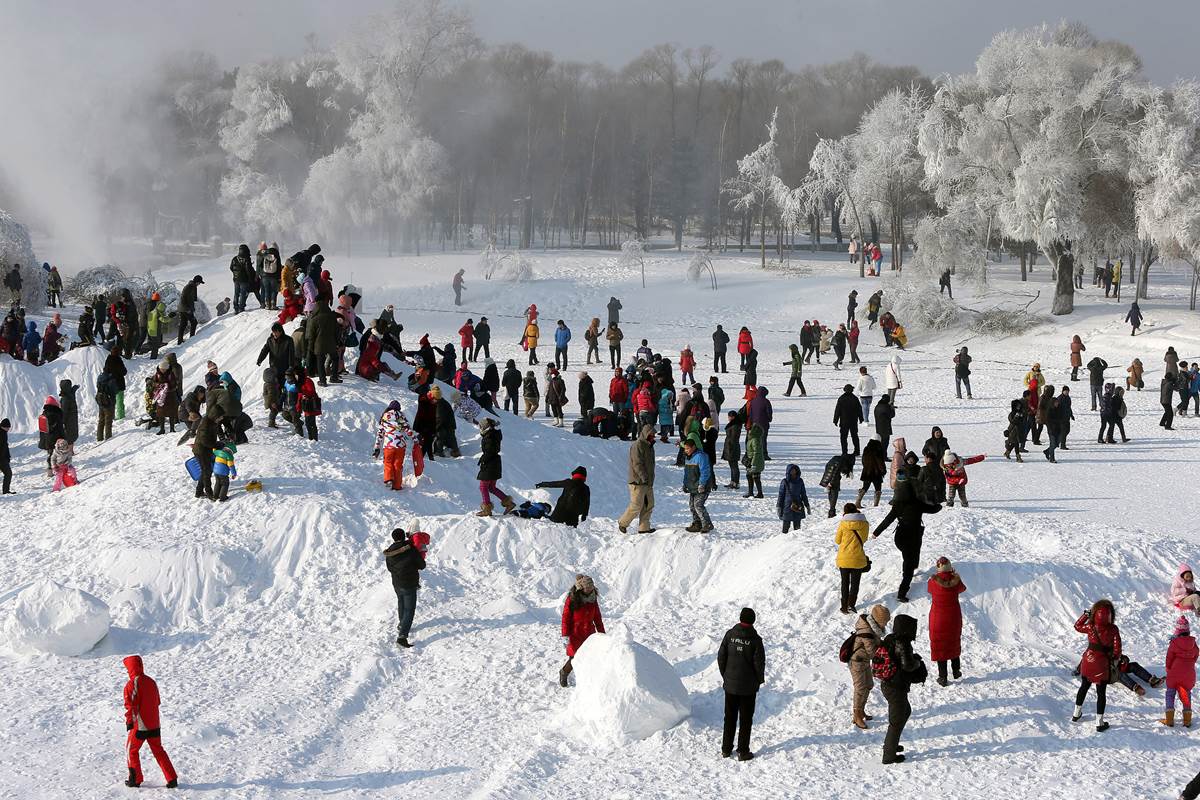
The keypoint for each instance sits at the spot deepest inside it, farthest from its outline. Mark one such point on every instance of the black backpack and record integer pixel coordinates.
(847, 648)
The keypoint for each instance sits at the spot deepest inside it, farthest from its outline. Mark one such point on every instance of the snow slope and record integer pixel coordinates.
(268, 621)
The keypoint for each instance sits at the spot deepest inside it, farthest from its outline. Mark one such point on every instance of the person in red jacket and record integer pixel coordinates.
(1181, 672)
(745, 345)
(308, 405)
(955, 469)
(466, 337)
(644, 406)
(580, 619)
(618, 391)
(141, 720)
(1104, 649)
(687, 366)
(945, 619)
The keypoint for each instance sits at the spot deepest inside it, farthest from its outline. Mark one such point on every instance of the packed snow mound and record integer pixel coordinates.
(24, 387)
(47, 617)
(624, 692)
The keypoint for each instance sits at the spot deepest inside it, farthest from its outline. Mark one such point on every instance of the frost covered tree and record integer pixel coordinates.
(757, 183)
(633, 254)
(1166, 167)
(1035, 137)
(831, 173)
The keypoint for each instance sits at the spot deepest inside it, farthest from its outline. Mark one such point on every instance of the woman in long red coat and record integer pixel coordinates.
(745, 343)
(945, 619)
(1104, 648)
(581, 618)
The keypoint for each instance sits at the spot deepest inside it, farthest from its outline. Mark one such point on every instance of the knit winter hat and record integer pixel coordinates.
(581, 473)
(398, 535)
(747, 616)
(584, 583)
(944, 565)
(881, 615)
(1182, 627)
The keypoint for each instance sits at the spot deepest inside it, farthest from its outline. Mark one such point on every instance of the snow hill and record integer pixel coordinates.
(268, 621)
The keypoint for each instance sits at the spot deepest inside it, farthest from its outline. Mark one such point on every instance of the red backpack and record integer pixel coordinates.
(883, 665)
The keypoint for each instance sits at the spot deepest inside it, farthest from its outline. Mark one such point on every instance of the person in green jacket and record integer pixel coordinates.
(754, 462)
(797, 365)
(156, 324)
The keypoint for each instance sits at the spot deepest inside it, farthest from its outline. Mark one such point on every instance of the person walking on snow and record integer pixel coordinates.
(851, 304)
(641, 483)
(852, 533)
(866, 391)
(697, 482)
(796, 362)
(562, 336)
(847, 414)
(745, 343)
(908, 511)
(720, 345)
(1077, 350)
(142, 723)
(955, 469)
(530, 341)
(395, 439)
(905, 668)
(1103, 650)
(580, 619)
(742, 662)
(614, 311)
(491, 468)
(891, 379)
(1134, 318)
(945, 619)
(466, 339)
(869, 632)
(459, 286)
(1181, 672)
(405, 559)
(792, 502)
(962, 373)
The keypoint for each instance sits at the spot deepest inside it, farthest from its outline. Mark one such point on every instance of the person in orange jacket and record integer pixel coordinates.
(141, 720)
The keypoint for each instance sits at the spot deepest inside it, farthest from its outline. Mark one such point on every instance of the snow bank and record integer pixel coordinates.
(624, 692)
(48, 617)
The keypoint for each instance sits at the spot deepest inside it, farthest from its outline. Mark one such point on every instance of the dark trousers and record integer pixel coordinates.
(754, 484)
(909, 545)
(187, 322)
(1168, 415)
(1192, 790)
(593, 350)
(852, 432)
(1096, 390)
(510, 399)
(406, 609)
(850, 579)
(719, 362)
(1101, 694)
(739, 717)
(533, 359)
(481, 347)
(560, 352)
(955, 667)
(310, 426)
(205, 456)
(796, 380)
(6, 471)
(614, 356)
(734, 472)
(899, 710)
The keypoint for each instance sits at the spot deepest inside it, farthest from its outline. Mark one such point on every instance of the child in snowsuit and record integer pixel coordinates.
(755, 461)
(1183, 590)
(1181, 672)
(395, 438)
(60, 463)
(141, 720)
(270, 396)
(1017, 417)
(955, 469)
(224, 468)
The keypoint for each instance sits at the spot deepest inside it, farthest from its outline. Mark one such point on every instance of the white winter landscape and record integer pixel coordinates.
(997, 146)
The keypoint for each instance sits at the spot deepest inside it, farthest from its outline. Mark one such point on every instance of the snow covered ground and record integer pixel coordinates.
(269, 621)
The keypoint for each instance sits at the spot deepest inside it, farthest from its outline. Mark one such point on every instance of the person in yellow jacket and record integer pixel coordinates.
(156, 324)
(899, 336)
(1034, 380)
(531, 340)
(852, 560)
(287, 277)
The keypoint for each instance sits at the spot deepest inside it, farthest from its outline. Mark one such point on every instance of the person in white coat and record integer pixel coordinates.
(866, 391)
(891, 379)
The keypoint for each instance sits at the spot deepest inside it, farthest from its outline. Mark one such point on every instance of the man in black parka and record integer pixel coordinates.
(743, 666)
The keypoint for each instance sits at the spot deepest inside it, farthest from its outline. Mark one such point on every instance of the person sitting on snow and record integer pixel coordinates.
(575, 500)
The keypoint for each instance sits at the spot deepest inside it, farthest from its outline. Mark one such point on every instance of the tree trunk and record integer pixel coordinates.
(1064, 280)
(762, 234)
(1024, 261)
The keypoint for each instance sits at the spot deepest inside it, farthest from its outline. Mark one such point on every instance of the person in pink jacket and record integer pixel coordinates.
(1183, 590)
(1181, 672)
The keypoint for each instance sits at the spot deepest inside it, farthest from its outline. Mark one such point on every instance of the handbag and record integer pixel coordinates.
(867, 568)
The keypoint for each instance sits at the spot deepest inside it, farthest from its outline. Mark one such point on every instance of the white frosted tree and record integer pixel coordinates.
(757, 183)
(1166, 168)
(831, 174)
(1035, 136)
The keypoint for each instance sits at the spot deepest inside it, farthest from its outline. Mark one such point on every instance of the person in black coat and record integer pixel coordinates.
(908, 511)
(5, 456)
(847, 415)
(751, 376)
(405, 561)
(575, 500)
(446, 426)
(70, 409)
(448, 365)
(114, 365)
(742, 662)
(512, 385)
(884, 414)
(483, 340)
(936, 446)
(587, 395)
(186, 308)
(280, 349)
(491, 378)
(720, 346)
(910, 669)
(54, 429)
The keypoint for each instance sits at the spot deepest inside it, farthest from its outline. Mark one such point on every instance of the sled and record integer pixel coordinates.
(253, 486)
(193, 467)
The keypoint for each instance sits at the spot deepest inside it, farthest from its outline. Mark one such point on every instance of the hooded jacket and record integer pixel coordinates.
(574, 502)
(581, 618)
(1104, 641)
(792, 502)
(852, 533)
(1181, 588)
(945, 616)
(141, 700)
(1181, 662)
(405, 562)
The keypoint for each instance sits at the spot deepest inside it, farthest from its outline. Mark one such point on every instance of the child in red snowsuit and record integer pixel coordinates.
(141, 720)
(955, 469)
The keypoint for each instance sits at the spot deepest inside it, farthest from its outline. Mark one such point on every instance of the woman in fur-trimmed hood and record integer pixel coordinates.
(580, 619)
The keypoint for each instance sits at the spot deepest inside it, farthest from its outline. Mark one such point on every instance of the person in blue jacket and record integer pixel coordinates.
(32, 343)
(792, 504)
(697, 479)
(562, 335)
(666, 411)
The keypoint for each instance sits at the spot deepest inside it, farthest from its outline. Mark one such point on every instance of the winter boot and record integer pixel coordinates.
(693, 528)
(485, 510)
(878, 495)
(1187, 718)
(746, 756)
(1078, 714)
(1156, 681)
(858, 500)
(859, 720)
(563, 673)
(403, 641)
(1169, 719)
(508, 504)
(1101, 725)
(132, 781)
(173, 783)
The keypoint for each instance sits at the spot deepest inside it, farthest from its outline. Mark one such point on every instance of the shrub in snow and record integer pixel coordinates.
(16, 248)
(109, 280)
(48, 617)
(624, 692)
(513, 267)
(916, 304)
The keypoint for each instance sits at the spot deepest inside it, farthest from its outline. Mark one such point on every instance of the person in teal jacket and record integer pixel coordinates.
(666, 410)
(224, 468)
(697, 478)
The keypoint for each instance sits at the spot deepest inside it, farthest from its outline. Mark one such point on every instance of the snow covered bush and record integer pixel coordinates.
(701, 266)
(16, 248)
(948, 242)
(917, 304)
(513, 267)
(109, 280)
(47, 617)
(624, 692)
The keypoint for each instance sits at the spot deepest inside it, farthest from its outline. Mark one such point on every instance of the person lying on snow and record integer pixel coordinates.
(575, 500)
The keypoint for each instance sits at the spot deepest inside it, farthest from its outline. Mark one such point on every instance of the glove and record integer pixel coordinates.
(375, 453)
(128, 726)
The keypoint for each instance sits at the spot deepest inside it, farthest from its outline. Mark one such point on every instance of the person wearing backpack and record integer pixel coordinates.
(852, 561)
(742, 663)
(857, 652)
(897, 667)
(945, 619)
(1103, 651)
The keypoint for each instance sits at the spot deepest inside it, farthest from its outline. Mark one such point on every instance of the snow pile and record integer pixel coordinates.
(624, 692)
(48, 617)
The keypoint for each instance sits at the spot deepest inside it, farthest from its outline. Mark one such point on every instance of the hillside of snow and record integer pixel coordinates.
(269, 621)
